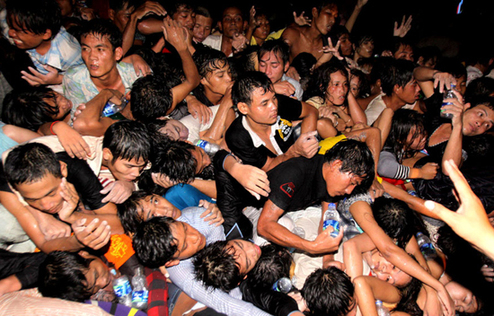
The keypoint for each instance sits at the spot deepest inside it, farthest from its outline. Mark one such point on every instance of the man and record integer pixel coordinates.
(203, 26)
(273, 61)
(310, 38)
(300, 182)
(232, 26)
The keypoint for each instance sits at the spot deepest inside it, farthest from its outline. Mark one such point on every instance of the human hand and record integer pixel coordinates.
(148, 8)
(306, 145)
(301, 19)
(95, 235)
(175, 34)
(297, 296)
(361, 3)
(376, 190)
(285, 88)
(253, 179)
(328, 112)
(253, 23)
(330, 49)
(140, 65)
(239, 42)
(165, 273)
(488, 272)
(429, 170)
(293, 73)
(118, 191)
(199, 110)
(325, 243)
(432, 306)
(70, 201)
(456, 107)
(52, 228)
(470, 220)
(212, 214)
(447, 304)
(444, 80)
(404, 27)
(162, 180)
(36, 78)
(71, 141)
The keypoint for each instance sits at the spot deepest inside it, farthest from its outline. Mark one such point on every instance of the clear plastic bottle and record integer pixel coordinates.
(210, 148)
(283, 285)
(140, 290)
(332, 218)
(122, 288)
(112, 108)
(448, 94)
(381, 309)
(426, 246)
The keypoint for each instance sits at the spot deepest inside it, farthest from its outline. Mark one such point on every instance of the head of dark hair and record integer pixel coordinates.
(119, 5)
(62, 275)
(304, 62)
(382, 67)
(216, 267)
(452, 66)
(364, 84)
(128, 211)
(278, 47)
(336, 32)
(356, 158)
(245, 85)
(151, 98)
(404, 121)
(273, 264)
(360, 39)
(175, 6)
(35, 16)
(200, 10)
(28, 108)
(428, 53)
(480, 87)
(397, 220)
(401, 73)
(154, 243)
(328, 292)
(208, 59)
(321, 4)
(175, 160)
(101, 28)
(321, 78)
(31, 162)
(399, 42)
(243, 61)
(409, 294)
(128, 140)
(487, 101)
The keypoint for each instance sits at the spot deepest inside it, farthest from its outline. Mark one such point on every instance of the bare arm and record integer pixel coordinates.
(89, 121)
(356, 11)
(19, 134)
(223, 118)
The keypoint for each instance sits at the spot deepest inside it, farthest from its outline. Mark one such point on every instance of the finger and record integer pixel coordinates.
(107, 188)
(256, 195)
(109, 197)
(205, 213)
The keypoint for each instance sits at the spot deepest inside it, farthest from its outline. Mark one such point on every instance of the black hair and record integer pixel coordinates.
(404, 120)
(208, 59)
(428, 53)
(216, 267)
(128, 211)
(245, 85)
(356, 158)
(278, 47)
(399, 42)
(364, 87)
(409, 295)
(200, 10)
(397, 220)
(321, 4)
(28, 108)
(452, 66)
(35, 16)
(336, 32)
(303, 62)
(359, 39)
(401, 73)
(482, 86)
(62, 275)
(151, 98)
(31, 162)
(273, 264)
(328, 292)
(101, 28)
(321, 78)
(154, 243)
(382, 67)
(119, 5)
(128, 140)
(482, 100)
(176, 5)
(175, 160)
(245, 60)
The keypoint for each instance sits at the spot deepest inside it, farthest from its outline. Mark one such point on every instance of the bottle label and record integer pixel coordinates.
(140, 296)
(427, 247)
(122, 289)
(335, 224)
(202, 143)
(110, 109)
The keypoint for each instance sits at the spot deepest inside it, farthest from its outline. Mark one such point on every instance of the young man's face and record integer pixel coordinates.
(365, 49)
(477, 120)
(66, 6)
(325, 19)
(263, 109)
(121, 18)
(99, 55)
(337, 89)
(345, 45)
(125, 170)
(98, 276)
(63, 104)
(175, 130)
(337, 182)
(465, 301)
(246, 254)
(156, 206)
(272, 65)
(188, 240)
(232, 22)
(354, 85)
(218, 80)
(202, 28)
(262, 31)
(202, 159)
(185, 17)
(25, 39)
(404, 52)
(409, 93)
(44, 194)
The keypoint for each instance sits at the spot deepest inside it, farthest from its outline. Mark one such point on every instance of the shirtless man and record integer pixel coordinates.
(310, 38)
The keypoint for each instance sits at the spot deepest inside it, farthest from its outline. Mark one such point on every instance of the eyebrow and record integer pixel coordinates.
(35, 199)
(247, 261)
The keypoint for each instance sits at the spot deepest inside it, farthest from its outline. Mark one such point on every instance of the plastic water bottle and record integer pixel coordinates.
(426, 246)
(210, 148)
(448, 94)
(283, 285)
(112, 108)
(332, 218)
(381, 309)
(122, 289)
(140, 292)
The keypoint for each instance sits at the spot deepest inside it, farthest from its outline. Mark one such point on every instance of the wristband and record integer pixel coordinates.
(51, 127)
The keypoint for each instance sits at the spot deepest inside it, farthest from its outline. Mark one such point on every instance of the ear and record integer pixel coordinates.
(118, 53)
(203, 81)
(336, 165)
(243, 108)
(47, 35)
(111, 14)
(466, 106)
(107, 155)
(397, 88)
(63, 169)
(172, 263)
(287, 65)
(220, 26)
(315, 14)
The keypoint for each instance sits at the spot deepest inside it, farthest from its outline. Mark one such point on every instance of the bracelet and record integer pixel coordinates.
(51, 127)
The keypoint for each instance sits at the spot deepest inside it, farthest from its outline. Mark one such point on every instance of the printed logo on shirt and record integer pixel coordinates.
(288, 188)
(285, 129)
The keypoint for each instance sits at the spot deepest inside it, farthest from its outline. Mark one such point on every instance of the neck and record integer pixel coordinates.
(259, 129)
(312, 33)
(111, 80)
(213, 97)
(44, 47)
(393, 102)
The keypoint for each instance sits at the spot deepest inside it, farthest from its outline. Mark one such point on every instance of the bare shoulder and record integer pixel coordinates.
(292, 32)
